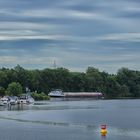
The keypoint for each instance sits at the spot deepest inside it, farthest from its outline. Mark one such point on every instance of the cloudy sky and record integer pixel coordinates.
(75, 33)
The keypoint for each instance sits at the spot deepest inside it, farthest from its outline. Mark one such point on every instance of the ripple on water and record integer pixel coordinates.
(128, 132)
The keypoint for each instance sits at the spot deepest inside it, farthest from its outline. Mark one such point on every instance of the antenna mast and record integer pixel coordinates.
(54, 65)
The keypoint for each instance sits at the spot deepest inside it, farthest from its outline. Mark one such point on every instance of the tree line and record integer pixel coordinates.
(126, 83)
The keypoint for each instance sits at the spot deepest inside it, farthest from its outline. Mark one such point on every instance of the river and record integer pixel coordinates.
(71, 120)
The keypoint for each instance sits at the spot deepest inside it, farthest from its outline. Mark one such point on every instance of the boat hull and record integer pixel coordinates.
(60, 94)
(57, 96)
(83, 94)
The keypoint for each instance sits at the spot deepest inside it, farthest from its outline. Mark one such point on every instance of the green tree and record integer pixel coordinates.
(124, 91)
(34, 79)
(113, 87)
(2, 91)
(14, 89)
(94, 79)
(3, 79)
(131, 79)
(21, 76)
(54, 78)
(76, 82)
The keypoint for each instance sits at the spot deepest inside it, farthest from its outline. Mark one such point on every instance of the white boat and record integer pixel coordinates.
(30, 100)
(56, 93)
(25, 99)
(8, 100)
(1, 103)
(13, 100)
(4, 100)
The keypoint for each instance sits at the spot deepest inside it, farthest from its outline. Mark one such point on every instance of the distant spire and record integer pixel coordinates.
(54, 64)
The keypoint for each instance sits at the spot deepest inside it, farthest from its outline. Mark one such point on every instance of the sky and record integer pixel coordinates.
(104, 34)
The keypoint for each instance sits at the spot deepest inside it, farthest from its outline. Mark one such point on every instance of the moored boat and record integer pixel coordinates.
(60, 93)
(13, 100)
(25, 99)
(84, 94)
(56, 93)
(1, 103)
(4, 100)
(30, 100)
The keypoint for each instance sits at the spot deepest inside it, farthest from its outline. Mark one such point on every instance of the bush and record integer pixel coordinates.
(40, 96)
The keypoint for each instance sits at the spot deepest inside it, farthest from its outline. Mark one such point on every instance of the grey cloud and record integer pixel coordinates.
(104, 34)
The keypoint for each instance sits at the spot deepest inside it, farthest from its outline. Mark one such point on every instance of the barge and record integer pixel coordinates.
(60, 93)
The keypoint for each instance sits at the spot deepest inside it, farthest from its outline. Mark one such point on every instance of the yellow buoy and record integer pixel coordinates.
(103, 130)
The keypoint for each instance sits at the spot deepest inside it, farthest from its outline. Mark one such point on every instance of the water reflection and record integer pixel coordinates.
(103, 137)
(18, 107)
(127, 132)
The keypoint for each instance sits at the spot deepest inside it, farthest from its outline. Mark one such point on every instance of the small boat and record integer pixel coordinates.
(56, 93)
(13, 100)
(22, 100)
(4, 100)
(25, 99)
(30, 100)
(1, 103)
(8, 100)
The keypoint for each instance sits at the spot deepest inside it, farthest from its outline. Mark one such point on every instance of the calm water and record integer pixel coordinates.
(71, 120)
